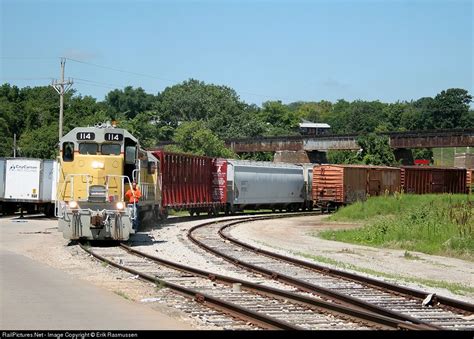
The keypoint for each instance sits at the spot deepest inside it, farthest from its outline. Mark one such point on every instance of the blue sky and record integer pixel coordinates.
(265, 50)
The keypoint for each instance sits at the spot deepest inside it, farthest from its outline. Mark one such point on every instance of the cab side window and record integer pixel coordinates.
(88, 148)
(68, 151)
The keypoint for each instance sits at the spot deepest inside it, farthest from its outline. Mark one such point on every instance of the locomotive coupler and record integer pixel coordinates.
(98, 220)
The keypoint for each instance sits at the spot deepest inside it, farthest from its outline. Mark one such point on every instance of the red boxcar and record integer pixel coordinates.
(193, 183)
(425, 180)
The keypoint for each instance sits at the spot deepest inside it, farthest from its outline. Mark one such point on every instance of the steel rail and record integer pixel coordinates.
(255, 318)
(305, 286)
(461, 306)
(358, 315)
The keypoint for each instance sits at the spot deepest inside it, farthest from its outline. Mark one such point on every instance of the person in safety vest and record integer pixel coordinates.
(133, 195)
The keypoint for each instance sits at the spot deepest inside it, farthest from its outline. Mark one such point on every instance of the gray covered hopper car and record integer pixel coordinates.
(257, 185)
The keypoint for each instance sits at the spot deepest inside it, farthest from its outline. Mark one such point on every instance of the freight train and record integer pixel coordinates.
(97, 166)
(337, 185)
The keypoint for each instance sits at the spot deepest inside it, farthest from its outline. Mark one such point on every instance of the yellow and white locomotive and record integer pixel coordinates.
(97, 167)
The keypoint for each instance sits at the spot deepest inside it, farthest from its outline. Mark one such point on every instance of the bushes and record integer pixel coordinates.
(434, 224)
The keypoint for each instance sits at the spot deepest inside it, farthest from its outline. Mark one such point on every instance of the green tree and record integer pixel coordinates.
(315, 111)
(376, 150)
(84, 111)
(423, 153)
(280, 120)
(342, 157)
(257, 156)
(144, 128)
(215, 106)
(40, 143)
(192, 137)
(5, 139)
(128, 102)
(450, 107)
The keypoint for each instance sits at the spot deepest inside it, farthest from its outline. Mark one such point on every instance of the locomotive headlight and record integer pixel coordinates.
(120, 205)
(97, 165)
(73, 204)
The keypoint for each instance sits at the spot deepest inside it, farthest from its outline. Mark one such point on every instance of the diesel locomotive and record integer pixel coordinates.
(97, 166)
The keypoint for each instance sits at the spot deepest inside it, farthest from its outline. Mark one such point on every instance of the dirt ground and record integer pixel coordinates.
(38, 239)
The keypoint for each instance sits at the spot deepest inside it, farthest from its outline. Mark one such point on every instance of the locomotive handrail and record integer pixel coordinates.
(61, 193)
(88, 176)
(136, 177)
(123, 177)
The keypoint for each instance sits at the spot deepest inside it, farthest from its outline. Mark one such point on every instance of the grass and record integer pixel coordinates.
(432, 224)
(407, 255)
(160, 285)
(122, 294)
(179, 213)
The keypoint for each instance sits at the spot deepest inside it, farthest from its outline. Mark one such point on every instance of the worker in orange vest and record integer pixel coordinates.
(133, 195)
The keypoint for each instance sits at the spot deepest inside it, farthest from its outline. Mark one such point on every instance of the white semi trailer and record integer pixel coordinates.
(28, 184)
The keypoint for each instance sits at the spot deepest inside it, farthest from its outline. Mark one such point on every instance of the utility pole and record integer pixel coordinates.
(59, 87)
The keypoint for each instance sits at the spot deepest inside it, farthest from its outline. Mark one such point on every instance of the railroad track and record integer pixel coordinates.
(238, 304)
(345, 288)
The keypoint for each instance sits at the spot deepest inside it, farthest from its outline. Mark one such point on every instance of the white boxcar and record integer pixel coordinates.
(29, 183)
(255, 185)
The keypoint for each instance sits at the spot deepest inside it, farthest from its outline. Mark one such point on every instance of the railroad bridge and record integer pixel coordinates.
(410, 139)
(313, 148)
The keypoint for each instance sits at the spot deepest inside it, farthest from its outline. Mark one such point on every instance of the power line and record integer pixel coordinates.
(28, 79)
(122, 71)
(165, 79)
(93, 85)
(90, 82)
(140, 74)
(10, 57)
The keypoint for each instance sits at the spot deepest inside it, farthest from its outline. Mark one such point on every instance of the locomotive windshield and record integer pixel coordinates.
(111, 149)
(88, 148)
